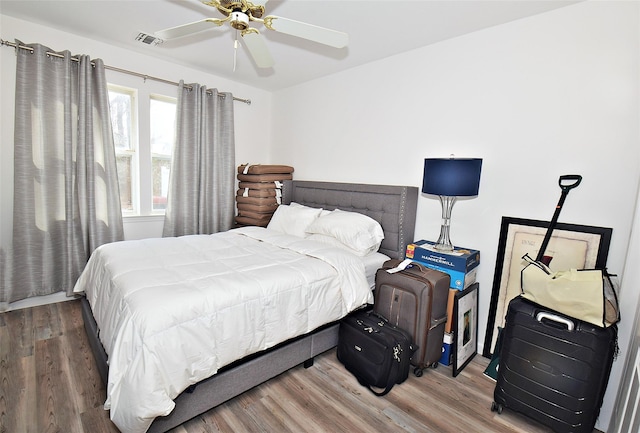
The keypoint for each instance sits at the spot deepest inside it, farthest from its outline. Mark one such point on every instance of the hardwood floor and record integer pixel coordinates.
(49, 383)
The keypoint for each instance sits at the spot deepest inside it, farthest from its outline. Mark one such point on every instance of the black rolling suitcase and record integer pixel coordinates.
(553, 368)
(415, 299)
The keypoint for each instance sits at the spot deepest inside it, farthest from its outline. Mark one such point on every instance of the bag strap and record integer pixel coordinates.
(386, 390)
(608, 280)
(536, 263)
(391, 381)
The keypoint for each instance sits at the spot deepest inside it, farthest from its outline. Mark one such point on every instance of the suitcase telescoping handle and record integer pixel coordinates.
(543, 315)
(567, 182)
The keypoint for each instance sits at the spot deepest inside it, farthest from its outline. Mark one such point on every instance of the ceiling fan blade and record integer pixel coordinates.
(188, 29)
(257, 47)
(311, 32)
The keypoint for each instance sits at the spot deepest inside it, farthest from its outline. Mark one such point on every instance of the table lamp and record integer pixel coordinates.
(450, 178)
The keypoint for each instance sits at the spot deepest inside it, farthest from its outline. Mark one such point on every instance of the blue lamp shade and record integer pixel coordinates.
(454, 177)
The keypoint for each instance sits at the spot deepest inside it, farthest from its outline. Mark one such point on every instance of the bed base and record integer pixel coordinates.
(232, 380)
(394, 207)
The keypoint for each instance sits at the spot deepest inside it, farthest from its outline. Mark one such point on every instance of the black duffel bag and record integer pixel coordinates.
(377, 353)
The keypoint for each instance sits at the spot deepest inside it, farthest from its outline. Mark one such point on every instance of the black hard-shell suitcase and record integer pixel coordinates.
(553, 368)
(415, 299)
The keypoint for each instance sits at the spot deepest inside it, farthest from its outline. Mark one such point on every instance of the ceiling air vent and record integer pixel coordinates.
(148, 39)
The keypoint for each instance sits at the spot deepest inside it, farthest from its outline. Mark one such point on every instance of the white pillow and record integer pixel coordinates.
(355, 230)
(330, 240)
(322, 211)
(294, 219)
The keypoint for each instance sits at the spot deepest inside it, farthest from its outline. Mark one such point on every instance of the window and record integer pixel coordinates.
(143, 148)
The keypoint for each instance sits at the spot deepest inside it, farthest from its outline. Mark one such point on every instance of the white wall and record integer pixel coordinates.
(251, 143)
(548, 95)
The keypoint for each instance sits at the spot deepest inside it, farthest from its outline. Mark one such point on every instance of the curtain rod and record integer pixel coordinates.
(113, 68)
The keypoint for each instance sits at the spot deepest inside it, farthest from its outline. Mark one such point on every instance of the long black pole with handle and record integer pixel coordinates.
(567, 182)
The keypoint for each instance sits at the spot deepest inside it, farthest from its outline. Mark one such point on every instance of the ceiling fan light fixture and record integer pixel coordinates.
(239, 20)
(256, 11)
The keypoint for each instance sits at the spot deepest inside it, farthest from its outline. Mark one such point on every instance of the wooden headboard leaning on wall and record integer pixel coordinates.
(394, 207)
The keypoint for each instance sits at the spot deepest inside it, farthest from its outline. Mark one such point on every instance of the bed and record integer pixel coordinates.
(393, 207)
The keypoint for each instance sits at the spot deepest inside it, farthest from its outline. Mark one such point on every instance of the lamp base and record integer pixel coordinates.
(444, 243)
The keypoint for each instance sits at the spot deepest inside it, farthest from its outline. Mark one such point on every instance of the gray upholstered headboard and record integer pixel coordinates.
(394, 207)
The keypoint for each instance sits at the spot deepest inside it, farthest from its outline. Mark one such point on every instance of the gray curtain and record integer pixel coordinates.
(201, 197)
(66, 196)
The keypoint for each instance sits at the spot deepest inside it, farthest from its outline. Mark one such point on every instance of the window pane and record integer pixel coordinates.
(160, 168)
(124, 180)
(163, 126)
(163, 120)
(120, 107)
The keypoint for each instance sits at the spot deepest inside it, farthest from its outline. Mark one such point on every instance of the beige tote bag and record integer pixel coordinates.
(586, 295)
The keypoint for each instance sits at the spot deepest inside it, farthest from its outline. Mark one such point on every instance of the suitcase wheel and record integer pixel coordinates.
(418, 371)
(495, 407)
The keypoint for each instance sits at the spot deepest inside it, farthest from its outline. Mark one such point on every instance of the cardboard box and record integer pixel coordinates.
(459, 280)
(460, 259)
(447, 345)
(461, 263)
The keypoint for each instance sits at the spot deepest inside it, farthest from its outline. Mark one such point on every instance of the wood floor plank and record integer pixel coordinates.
(350, 404)
(21, 331)
(88, 390)
(290, 420)
(55, 403)
(294, 412)
(6, 387)
(265, 418)
(17, 376)
(97, 420)
(47, 373)
(315, 415)
(202, 424)
(405, 423)
(70, 317)
(46, 321)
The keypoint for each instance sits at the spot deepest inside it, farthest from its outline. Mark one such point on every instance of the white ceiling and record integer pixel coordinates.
(377, 29)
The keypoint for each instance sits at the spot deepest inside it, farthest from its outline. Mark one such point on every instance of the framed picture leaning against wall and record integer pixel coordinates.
(571, 246)
(465, 327)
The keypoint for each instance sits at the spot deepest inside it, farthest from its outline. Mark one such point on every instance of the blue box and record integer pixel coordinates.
(459, 280)
(460, 259)
(447, 345)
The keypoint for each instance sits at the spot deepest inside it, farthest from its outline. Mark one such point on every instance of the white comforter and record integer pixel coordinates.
(172, 311)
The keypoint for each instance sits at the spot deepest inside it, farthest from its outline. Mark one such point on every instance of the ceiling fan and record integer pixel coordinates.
(240, 13)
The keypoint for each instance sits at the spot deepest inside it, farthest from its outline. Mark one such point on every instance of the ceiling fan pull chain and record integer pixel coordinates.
(235, 51)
